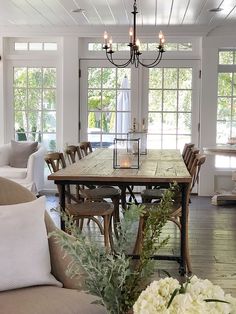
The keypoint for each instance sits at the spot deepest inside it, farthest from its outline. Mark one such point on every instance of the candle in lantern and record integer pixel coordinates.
(125, 161)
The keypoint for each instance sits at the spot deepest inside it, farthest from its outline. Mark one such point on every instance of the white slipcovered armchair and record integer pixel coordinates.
(31, 177)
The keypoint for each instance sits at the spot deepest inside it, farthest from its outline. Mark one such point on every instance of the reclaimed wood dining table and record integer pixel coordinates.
(158, 166)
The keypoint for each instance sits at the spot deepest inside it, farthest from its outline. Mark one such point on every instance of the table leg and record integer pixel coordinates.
(123, 196)
(62, 203)
(182, 267)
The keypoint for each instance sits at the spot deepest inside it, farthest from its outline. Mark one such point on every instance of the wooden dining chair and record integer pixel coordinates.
(191, 157)
(186, 150)
(73, 153)
(92, 193)
(86, 148)
(81, 210)
(56, 161)
(189, 154)
(176, 210)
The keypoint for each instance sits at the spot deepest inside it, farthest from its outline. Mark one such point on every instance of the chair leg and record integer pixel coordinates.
(139, 239)
(81, 224)
(188, 259)
(106, 219)
(116, 213)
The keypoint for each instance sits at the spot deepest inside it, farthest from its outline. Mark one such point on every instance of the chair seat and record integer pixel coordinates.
(88, 209)
(91, 210)
(13, 173)
(47, 300)
(100, 193)
(152, 193)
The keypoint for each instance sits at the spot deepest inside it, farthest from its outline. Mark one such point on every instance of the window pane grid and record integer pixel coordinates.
(170, 120)
(34, 104)
(108, 104)
(226, 118)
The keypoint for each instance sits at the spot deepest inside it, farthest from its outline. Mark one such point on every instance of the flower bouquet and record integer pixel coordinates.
(196, 296)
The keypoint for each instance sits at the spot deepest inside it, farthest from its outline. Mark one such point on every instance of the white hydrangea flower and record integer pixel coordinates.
(156, 297)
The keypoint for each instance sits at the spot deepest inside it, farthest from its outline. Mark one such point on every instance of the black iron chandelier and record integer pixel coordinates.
(134, 45)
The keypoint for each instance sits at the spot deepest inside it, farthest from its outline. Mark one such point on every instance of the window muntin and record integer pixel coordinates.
(169, 107)
(109, 111)
(34, 99)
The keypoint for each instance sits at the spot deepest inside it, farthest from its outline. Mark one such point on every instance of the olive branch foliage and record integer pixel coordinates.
(113, 276)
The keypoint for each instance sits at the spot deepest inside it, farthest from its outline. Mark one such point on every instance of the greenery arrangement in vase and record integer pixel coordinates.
(113, 276)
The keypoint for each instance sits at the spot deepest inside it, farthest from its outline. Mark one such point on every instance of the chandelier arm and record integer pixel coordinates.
(154, 63)
(123, 65)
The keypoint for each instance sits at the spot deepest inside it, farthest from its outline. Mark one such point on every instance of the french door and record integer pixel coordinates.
(164, 101)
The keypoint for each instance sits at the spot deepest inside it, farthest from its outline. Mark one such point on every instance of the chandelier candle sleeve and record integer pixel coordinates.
(105, 38)
(134, 46)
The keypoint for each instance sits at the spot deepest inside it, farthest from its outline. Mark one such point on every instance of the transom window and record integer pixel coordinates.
(35, 46)
(34, 99)
(183, 46)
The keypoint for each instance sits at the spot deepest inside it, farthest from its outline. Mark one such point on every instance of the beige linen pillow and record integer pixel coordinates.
(20, 152)
(24, 252)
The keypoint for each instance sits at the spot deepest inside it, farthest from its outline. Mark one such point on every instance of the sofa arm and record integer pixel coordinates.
(35, 168)
(60, 261)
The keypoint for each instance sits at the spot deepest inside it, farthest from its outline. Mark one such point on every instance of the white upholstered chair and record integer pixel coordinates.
(31, 177)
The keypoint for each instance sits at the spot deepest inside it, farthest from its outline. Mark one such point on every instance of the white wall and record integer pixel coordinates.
(2, 107)
(69, 111)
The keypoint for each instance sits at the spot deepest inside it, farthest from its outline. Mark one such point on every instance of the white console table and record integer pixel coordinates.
(225, 150)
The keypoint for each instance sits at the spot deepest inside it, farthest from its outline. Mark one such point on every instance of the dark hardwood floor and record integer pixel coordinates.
(212, 240)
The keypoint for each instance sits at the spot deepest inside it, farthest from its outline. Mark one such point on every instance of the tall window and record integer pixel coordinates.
(34, 98)
(108, 102)
(226, 104)
(169, 107)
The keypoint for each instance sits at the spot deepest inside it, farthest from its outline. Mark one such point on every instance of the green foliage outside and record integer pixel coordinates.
(92, 120)
(114, 277)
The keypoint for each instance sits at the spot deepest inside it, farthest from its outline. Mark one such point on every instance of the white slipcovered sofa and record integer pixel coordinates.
(31, 177)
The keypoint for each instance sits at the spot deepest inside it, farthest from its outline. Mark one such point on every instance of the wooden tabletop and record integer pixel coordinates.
(157, 166)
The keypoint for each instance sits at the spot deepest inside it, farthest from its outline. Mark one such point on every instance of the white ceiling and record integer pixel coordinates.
(116, 12)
